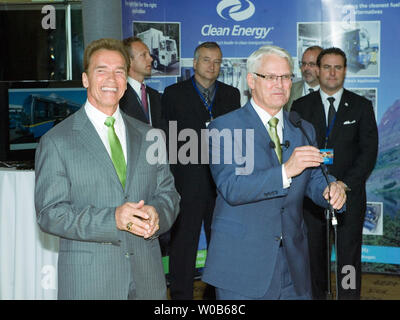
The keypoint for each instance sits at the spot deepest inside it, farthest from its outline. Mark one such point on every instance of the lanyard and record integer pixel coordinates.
(329, 129)
(208, 106)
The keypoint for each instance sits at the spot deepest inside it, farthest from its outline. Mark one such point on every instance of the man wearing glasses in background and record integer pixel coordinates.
(309, 73)
(344, 123)
(193, 104)
(258, 248)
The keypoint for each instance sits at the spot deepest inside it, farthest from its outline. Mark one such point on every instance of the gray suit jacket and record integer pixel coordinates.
(295, 93)
(76, 193)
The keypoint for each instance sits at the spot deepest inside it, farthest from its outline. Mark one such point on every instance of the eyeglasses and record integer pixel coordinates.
(274, 77)
(304, 64)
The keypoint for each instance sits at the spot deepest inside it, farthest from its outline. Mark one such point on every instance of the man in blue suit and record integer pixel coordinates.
(258, 247)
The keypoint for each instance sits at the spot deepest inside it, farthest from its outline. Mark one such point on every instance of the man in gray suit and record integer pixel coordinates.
(107, 211)
(309, 74)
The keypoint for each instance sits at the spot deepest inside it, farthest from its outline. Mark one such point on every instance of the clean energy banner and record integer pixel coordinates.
(369, 33)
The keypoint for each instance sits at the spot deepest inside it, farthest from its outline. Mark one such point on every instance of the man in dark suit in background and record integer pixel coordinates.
(344, 122)
(309, 73)
(193, 104)
(141, 101)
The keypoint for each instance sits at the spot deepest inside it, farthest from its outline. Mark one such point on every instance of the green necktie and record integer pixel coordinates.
(117, 155)
(273, 133)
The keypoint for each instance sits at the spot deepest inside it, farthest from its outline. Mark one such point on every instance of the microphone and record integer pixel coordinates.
(286, 144)
(272, 145)
(295, 119)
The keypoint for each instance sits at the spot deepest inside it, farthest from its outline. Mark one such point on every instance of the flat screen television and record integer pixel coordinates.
(28, 109)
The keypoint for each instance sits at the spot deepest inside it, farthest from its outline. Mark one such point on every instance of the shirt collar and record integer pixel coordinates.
(201, 88)
(306, 87)
(98, 117)
(135, 85)
(265, 116)
(337, 96)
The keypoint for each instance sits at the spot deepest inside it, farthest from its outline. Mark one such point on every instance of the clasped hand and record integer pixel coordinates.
(337, 194)
(137, 218)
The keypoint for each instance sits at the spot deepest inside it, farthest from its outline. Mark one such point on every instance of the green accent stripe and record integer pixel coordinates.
(200, 260)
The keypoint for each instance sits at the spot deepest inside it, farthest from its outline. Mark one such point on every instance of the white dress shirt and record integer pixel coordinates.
(265, 117)
(136, 85)
(306, 87)
(324, 98)
(97, 118)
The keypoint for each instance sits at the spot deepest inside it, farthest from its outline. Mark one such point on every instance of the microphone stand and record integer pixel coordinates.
(331, 218)
(330, 215)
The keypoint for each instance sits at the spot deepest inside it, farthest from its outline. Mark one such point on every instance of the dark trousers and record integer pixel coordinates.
(183, 245)
(348, 252)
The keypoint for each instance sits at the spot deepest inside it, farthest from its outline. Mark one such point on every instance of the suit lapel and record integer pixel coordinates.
(133, 150)
(262, 139)
(153, 107)
(136, 105)
(90, 140)
(341, 115)
(198, 106)
(290, 135)
(319, 118)
(298, 92)
(218, 101)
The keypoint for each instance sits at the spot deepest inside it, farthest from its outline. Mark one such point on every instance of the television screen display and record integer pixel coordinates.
(33, 108)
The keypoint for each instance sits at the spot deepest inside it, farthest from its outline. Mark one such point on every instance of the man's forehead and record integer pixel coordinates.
(335, 59)
(311, 54)
(105, 58)
(273, 61)
(106, 54)
(139, 46)
(208, 52)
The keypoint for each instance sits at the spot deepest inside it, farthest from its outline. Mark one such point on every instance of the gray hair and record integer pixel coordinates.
(207, 45)
(254, 60)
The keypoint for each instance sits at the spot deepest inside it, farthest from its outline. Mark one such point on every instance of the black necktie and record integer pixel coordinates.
(311, 90)
(332, 111)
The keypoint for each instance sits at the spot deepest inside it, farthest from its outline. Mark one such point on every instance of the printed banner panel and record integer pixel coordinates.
(368, 32)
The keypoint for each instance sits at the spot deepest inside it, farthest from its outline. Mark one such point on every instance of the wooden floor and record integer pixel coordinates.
(374, 287)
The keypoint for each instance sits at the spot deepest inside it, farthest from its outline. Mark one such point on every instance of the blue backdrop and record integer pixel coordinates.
(369, 33)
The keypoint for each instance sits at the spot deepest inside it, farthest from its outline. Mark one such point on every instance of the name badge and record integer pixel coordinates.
(328, 155)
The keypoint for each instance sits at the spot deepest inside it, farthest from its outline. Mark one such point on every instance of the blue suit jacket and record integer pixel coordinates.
(253, 210)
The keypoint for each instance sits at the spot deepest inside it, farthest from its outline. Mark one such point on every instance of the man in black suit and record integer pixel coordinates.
(192, 104)
(141, 101)
(351, 132)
